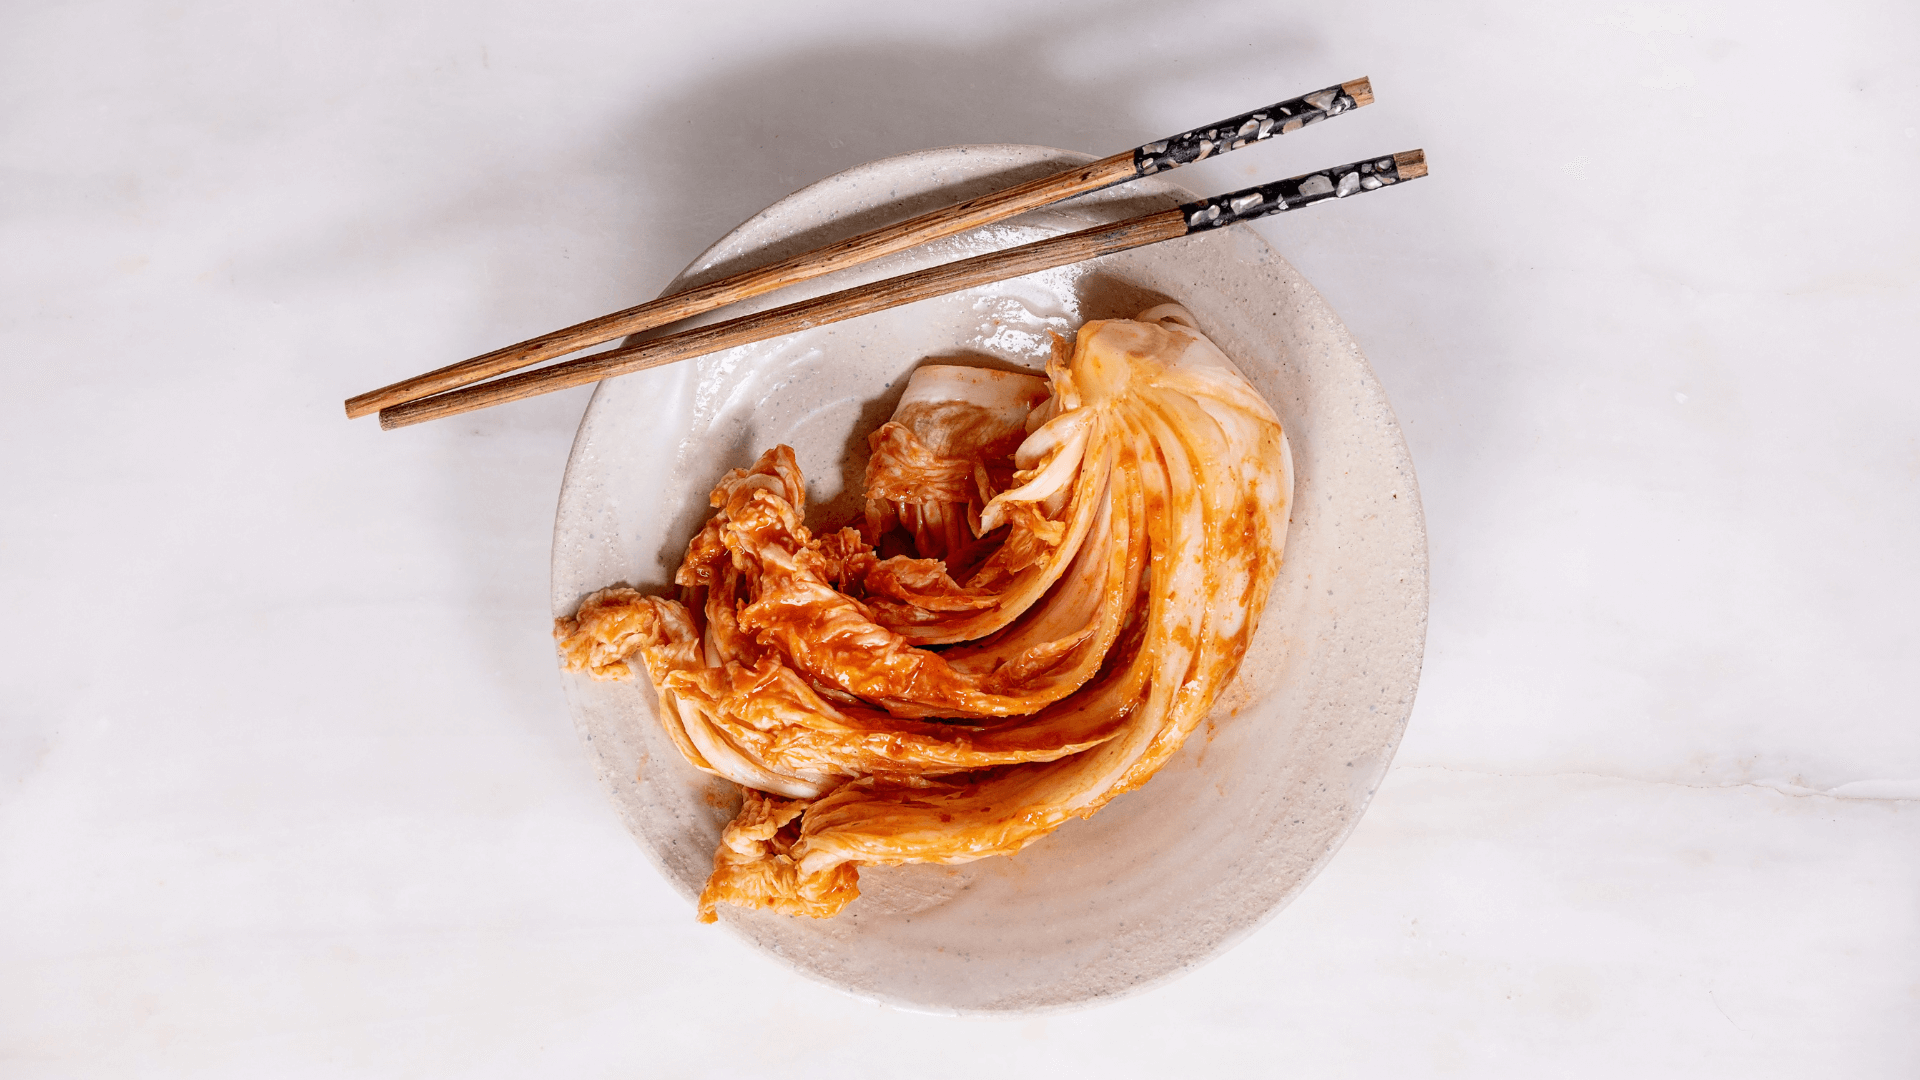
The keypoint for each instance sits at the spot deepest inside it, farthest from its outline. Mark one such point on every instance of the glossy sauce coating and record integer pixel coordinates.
(1052, 584)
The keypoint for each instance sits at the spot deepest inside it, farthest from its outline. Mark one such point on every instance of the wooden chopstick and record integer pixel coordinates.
(1293, 193)
(1146, 160)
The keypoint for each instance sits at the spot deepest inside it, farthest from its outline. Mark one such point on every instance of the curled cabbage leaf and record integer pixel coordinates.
(1053, 581)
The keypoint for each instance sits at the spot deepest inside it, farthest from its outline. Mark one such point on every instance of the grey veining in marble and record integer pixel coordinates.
(287, 786)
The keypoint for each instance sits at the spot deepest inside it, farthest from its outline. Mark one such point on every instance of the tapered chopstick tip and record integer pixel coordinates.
(1410, 164)
(1360, 90)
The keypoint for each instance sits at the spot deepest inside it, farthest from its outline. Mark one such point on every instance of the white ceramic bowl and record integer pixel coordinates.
(1266, 790)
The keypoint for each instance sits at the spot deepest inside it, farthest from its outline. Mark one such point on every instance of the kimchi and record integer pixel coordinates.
(1052, 582)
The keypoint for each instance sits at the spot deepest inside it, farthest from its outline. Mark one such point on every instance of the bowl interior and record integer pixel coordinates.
(1165, 877)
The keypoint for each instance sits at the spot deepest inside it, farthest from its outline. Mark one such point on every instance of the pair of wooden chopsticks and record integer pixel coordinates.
(460, 388)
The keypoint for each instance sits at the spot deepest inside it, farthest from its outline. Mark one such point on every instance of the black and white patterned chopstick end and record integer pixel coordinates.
(1305, 190)
(1280, 118)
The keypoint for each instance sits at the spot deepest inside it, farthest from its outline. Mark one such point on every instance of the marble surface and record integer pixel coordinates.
(287, 785)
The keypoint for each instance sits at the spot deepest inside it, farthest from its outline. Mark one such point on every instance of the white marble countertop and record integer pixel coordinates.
(287, 786)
